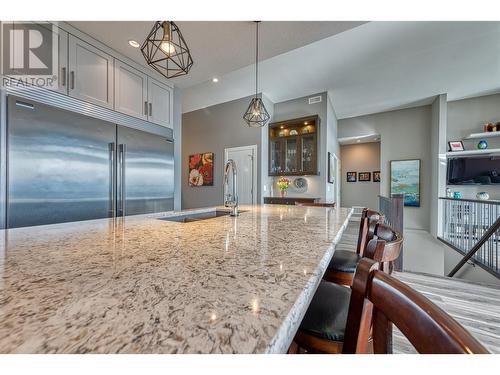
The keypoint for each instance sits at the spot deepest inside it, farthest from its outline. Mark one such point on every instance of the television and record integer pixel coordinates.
(474, 171)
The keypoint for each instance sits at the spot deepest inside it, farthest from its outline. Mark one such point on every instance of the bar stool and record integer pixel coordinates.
(323, 328)
(428, 328)
(343, 263)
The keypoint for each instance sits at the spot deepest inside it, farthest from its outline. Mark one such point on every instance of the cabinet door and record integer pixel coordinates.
(131, 91)
(308, 154)
(90, 73)
(62, 82)
(275, 157)
(160, 99)
(291, 155)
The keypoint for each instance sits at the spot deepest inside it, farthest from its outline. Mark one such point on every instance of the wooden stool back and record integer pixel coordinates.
(369, 219)
(384, 300)
(384, 247)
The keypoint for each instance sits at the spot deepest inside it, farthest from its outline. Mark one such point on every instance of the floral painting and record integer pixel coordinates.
(405, 179)
(201, 169)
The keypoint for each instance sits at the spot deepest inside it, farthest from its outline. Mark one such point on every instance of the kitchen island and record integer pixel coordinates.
(143, 285)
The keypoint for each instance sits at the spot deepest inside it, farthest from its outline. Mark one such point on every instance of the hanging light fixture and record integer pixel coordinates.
(256, 115)
(166, 51)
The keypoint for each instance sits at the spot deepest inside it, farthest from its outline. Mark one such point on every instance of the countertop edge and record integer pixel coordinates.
(286, 332)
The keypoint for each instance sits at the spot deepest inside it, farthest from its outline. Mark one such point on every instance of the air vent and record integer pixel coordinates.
(315, 99)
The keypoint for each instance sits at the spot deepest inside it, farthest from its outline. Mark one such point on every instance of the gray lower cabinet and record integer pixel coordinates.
(90, 73)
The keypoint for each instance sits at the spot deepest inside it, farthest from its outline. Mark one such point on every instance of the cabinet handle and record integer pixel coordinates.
(150, 109)
(72, 79)
(63, 76)
(146, 108)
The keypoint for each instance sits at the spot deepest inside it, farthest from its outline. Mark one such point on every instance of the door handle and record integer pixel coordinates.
(146, 108)
(63, 76)
(150, 109)
(121, 158)
(112, 180)
(72, 79)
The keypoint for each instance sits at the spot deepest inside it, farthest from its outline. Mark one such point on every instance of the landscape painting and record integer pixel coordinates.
(405, 179)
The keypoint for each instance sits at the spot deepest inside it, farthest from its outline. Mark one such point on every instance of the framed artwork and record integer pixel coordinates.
(405, 179)
(456, 145)
(331, 168)
(376, 176)
(351, 176)
(364, 176)
(201, 169)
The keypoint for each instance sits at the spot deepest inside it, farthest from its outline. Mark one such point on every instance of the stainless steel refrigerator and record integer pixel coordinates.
(63, 166)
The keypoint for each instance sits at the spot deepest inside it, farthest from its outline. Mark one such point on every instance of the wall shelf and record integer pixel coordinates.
(483, 135)
(489, 151)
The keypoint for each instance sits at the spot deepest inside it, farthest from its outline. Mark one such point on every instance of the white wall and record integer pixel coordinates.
(362, 157)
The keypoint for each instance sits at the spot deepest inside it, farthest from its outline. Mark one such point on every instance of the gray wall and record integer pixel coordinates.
(404, 134)
(362, 157)
(332, 146)
(300, 107)
(213, 129)
(438, 162)
(177, 148)
(468, 116)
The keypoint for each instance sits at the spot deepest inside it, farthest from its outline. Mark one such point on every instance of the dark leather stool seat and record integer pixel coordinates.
(344, 261)
(327, 314)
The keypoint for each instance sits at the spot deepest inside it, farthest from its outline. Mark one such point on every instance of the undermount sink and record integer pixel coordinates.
(189, 218)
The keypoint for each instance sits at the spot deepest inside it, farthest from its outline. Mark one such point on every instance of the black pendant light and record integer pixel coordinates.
(256, 115)
(166, 51)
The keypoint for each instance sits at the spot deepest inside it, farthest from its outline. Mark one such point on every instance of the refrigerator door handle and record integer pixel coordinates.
(112, 180)
(121, 159)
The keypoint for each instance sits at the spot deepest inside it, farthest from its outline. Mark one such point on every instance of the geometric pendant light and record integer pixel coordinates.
(166, 51)
(256, 115)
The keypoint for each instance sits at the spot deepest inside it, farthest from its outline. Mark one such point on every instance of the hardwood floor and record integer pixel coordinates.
(475, 306)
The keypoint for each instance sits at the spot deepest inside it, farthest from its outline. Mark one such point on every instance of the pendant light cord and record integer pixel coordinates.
(256, 58)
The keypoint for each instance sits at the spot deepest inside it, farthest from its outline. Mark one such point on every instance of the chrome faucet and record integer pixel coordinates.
(231, 199)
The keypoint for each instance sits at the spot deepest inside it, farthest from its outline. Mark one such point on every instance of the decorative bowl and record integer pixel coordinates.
(482, 196)
(482, 145)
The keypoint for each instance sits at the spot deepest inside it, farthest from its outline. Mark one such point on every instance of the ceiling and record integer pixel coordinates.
(374, 67)
(217, 48)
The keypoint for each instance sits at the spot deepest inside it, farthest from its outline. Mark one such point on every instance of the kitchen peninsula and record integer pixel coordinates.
(142, 285)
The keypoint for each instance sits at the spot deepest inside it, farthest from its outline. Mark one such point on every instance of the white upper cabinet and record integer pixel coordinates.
(131, 91)
(61, 85)
(160, 103)
(90, 73)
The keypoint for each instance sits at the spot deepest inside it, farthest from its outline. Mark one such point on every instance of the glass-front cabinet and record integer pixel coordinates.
(293, 147)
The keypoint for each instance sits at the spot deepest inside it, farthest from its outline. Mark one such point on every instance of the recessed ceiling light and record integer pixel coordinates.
(359, 140)
(215, 79)
(134, 44)
(305, 123)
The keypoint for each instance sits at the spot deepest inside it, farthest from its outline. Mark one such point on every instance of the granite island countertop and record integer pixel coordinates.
(142, 285)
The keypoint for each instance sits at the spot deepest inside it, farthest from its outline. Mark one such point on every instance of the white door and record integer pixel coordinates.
(160, 99)
(246, 165)
(90, 73)
(131, 91)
